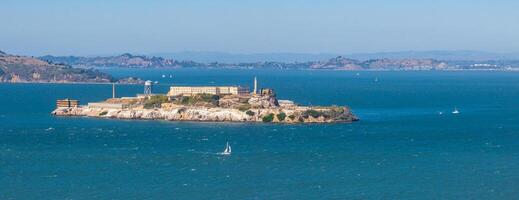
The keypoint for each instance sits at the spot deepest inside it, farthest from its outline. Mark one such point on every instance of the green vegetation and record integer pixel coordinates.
(155, 101)
(281, 116)
(244, 107)
(334, 111)
(187, 100)
(268, 118)
(201, 98)
(292, 117)
(313, 113)
(103, 113)
(329, 112)
(250, 113)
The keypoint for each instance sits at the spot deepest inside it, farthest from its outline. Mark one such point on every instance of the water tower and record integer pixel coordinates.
(147, 87)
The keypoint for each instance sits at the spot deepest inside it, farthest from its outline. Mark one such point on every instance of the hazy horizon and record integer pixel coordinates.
(223, 57)
(84, 28)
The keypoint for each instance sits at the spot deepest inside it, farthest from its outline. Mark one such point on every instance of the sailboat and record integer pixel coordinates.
(456, 111)
(227, 150)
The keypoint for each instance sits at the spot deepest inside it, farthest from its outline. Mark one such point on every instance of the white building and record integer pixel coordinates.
(214, 90)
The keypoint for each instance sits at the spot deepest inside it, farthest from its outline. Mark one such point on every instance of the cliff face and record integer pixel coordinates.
(28, 69)
(185, 113)
(230, 108)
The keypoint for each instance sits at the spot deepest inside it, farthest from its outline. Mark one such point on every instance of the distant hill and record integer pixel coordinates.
(341, 63)
(208, 57)
(397, 62)
(15, 68)
(124, 60)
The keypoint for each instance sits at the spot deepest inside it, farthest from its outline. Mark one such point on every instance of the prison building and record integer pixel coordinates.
(214, 90)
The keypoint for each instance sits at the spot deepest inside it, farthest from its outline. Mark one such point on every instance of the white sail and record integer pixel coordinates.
(456, 111)
(227, 150)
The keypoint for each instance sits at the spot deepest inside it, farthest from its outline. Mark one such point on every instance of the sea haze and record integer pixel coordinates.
(401, 149)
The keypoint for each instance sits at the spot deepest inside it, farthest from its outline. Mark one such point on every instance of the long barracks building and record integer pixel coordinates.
(215, 90)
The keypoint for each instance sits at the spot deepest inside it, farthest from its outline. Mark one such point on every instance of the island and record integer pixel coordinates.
(206, 103)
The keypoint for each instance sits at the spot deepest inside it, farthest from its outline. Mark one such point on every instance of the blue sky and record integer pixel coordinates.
(93, 27)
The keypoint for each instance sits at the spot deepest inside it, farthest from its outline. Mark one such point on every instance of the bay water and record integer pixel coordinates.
(402, 147)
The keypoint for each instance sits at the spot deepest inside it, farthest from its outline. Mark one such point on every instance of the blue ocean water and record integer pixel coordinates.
(401, 149)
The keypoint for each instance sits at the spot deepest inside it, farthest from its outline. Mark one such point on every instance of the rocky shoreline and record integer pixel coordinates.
(213, 104)
(296, 114)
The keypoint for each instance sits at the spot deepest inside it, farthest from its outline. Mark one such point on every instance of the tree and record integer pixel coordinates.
(268, 118)
(281, 116)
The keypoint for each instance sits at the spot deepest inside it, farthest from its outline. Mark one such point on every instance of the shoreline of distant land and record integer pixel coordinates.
(25, 69)
(73, 69)
(71, 83)
(336, 63)
(302, 69)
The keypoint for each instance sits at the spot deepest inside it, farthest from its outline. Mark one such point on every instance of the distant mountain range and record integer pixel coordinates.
(334, 63)
(208, 57)
(63, 69)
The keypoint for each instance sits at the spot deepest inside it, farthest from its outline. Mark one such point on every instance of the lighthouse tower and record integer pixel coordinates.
(113, 90)
(255, 86)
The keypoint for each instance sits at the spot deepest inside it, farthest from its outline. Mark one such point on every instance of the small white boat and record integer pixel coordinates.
(163, 76)
(440, 113)
(456, 111)
(227, 150)
(376, 79)
(170, 76)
